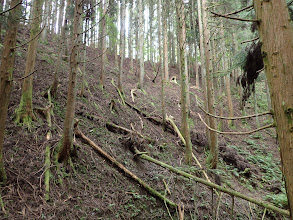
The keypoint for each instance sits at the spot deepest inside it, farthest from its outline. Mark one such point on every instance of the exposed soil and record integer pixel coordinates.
(93, 188)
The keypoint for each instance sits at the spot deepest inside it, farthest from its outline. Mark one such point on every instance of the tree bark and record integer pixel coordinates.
(184, 75)
(61, 50)
(66, 141)
(130, 35)
(104, 49)
(141, 41)
(24, 112)
(160, 65)
(214, 150)
(276, 35)
(60, 18)
(6, 70)
(122, 44)
(151, 18)
(166, 70)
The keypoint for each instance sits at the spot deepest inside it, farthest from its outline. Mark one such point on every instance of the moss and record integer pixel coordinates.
(24, 113)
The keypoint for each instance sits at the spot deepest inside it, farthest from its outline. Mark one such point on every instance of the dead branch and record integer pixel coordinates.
(87, 61)
(116, 128)
(184, 142)
(3, 12)
(233, 118)
(152, 191)
(29, 40)
(247, 41)
(215, 186)
(236, 12)
(236, 133)
(232, 18)
(151, 119)
(27, 75)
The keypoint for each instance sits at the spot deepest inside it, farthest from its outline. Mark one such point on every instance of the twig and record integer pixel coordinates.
(232, 208)
(3, 12)
(27, 75)
(236, 12)
(232, 18)
(236, 133)
(215, 186)
(218, 205)
(264, 214)
(183, 140)
(233, 118)
(247, 41)
(30, 39)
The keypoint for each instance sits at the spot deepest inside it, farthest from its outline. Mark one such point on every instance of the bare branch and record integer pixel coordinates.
(247, 41)
(27, 75)
(87, 61)
(236, 133)
(238, 19)
(29, 40)
(234, 118)
(3, 12)
(236, 12)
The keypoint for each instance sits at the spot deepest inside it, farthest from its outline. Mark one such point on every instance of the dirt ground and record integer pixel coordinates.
(92, 188)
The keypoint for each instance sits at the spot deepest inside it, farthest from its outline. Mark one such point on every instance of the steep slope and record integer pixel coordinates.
(91, 188)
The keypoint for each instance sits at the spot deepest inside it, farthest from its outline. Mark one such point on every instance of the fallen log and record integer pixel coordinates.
(152, 191)
(213, 185)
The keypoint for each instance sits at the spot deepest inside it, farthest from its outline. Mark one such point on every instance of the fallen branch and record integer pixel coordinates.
(215, 186)
(184, 142)
(119, 92)
(151, 119)
(152, 191)
(236, 133)
(233, 118)
(116, 128)
(232, 18)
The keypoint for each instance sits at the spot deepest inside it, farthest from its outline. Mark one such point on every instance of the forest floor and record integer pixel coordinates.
(92, 188)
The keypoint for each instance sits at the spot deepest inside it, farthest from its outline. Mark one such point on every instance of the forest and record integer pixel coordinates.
(146, 109)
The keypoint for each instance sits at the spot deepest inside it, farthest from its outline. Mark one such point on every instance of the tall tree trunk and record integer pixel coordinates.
(203, 69)
(93, 20)
(193, 23)
(227, 77)
(151, 17)
(166, 70)
(141, 41)
(183, 74)
(214, 150)
(104, 49)
(47, 21)
(61, 48)
(60, 18)
(1, 17)
(277, 50)
(54, 17)
(6, 71)
(122, 44)
(66, 141)
(161, 64)
(130, 35)
(24, 112)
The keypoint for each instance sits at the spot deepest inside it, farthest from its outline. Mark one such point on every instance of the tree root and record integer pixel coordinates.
(152, 191)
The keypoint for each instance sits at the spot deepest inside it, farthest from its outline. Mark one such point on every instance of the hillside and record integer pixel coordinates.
(93, 188)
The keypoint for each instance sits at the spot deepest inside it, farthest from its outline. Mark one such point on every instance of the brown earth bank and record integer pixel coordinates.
(92, 188)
